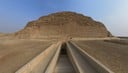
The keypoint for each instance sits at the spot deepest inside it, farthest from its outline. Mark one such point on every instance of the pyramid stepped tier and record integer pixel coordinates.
(63, 24)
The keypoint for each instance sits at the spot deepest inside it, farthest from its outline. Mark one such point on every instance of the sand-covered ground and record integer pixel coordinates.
(112, 54)
(15, 53)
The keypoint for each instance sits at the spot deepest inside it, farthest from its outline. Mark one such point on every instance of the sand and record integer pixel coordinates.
(112, 55)
(16, 53)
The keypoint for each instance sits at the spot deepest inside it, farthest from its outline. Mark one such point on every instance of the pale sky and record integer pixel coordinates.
(15, 14)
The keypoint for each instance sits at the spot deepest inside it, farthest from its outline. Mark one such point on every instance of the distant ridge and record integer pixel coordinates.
(2, 34)
(63, 24)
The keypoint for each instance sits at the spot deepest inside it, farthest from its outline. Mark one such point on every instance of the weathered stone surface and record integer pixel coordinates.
(63, 24)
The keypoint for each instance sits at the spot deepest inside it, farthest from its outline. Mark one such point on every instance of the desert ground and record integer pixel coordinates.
(112, 53)
(16, 53)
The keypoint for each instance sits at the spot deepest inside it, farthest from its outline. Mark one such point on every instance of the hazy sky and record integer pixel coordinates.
(14, 14)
